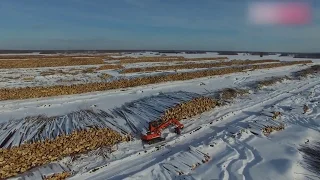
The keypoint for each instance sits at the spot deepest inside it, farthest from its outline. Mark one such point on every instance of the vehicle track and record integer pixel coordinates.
(236, 166)
(225, 174)
(239, 81)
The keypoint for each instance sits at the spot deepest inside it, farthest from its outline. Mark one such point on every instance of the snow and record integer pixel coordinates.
(223, 134)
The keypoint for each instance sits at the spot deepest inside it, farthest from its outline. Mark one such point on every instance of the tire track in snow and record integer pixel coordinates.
(227, 171)
(237, 166)
(225, 175)
(255, 161)
(239, 81)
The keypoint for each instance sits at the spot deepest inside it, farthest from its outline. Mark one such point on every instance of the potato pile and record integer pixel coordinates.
(146, 57)
(49, 62)
(208, 58)
(198, 65)
(269, 129)
(165, 59)
(20, 159)
(58, 176)
(189, 109)
(37, 92)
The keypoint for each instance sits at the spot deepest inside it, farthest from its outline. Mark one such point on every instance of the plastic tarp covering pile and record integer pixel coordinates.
(130, 118)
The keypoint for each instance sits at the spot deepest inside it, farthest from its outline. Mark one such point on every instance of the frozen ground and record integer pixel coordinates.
(225, 143)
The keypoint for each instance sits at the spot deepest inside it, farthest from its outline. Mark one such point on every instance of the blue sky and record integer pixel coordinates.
(147, 24)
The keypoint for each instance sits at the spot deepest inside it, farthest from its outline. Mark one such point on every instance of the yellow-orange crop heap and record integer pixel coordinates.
(49, 62)
(20, 159)
(165, 59)
(189, 109)
(195, 65)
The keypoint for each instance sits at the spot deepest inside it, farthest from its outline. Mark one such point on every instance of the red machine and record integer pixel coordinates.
(155, 128)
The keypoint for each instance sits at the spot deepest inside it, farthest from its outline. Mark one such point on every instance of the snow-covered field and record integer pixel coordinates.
(224, 143)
